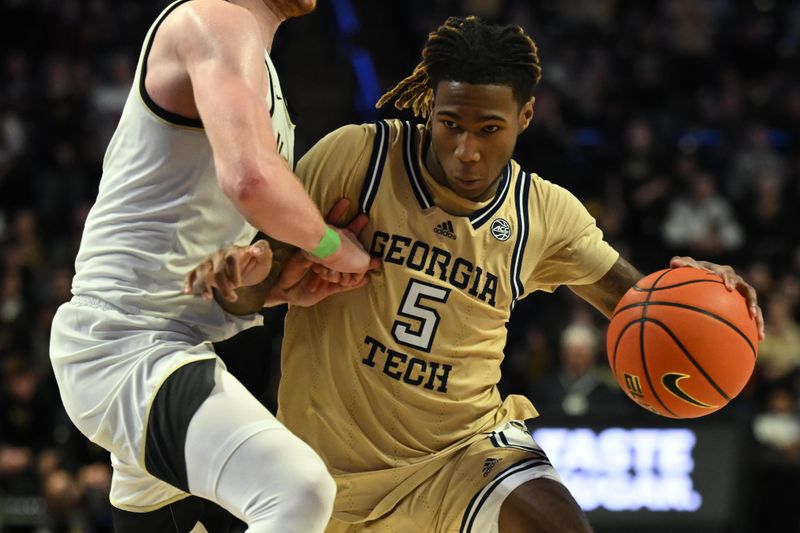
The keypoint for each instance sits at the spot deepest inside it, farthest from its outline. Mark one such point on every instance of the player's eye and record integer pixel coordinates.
(449, 124)
(492, 128)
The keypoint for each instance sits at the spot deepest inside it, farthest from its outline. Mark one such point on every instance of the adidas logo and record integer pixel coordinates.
(489, 464)
(445, 229)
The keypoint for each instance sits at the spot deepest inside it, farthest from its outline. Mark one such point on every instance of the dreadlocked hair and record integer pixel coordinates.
(471, 51)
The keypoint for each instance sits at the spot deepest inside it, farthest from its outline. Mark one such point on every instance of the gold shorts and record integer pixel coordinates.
(465, 495)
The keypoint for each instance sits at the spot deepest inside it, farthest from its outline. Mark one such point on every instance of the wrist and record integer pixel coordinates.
(328, 244)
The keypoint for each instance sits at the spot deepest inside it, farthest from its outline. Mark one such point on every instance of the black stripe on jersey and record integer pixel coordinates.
(412, 167)
(271, 89)
(376, 161)
(481, 216)
(482, 495)
(169, 116)
(521, 199)
(504, 443)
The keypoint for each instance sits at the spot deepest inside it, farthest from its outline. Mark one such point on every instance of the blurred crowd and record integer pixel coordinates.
(677, 122)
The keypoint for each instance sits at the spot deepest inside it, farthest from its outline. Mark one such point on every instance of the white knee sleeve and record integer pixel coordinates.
(240, 456)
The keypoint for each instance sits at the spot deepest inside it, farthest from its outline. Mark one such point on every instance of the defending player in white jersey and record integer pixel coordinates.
(398, 392)
(202, 156)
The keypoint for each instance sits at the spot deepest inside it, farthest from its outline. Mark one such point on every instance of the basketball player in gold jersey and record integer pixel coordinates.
(394, 383)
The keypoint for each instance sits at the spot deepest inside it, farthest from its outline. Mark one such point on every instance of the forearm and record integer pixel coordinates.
(253, 298)
(274, 201)
(250, 300)
(609, 290)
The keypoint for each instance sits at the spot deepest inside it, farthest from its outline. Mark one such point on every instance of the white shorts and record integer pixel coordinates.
(109, 367)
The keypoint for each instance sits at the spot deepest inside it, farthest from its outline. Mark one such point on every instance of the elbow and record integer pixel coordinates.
(242, 183)
(248, 181)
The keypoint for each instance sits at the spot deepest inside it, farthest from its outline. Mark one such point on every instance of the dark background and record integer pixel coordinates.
(677, 122)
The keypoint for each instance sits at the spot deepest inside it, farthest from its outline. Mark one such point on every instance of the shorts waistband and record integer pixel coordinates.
(91, 301)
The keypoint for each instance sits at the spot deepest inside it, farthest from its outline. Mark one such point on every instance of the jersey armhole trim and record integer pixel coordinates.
(522, 193)
(369, 190)
(167, 116)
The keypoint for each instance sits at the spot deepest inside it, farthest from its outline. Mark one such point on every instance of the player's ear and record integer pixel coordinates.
(526, 114)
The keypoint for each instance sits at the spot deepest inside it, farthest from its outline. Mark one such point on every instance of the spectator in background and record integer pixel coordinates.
(779, 353)
(767, 218)
(778, 427)
(702, 222)
(756, 158)
(14, 309)
(644, 187)
(26, 422)
(582, 384)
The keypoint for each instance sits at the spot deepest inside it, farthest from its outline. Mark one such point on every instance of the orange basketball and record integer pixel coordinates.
(680, 344)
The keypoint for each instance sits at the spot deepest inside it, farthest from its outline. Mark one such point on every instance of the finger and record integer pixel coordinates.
(316, 283)
(260, 247)
(326, 273)
(337, 211)
(760, 323)
(335, 289)
(202, 283)
(752, 298)
(188, 281)
(731, 280)
(224, 286)
(375, 264)
(231, 270)
(357, 225)
(678, 261)
(363, 281)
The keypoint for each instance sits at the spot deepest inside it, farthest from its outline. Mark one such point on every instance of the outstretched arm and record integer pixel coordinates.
(605, 293)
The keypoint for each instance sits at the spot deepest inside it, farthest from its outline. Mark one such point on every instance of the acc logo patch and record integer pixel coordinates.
(501, 229)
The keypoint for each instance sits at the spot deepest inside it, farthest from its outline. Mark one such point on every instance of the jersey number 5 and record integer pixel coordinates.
(412, 307)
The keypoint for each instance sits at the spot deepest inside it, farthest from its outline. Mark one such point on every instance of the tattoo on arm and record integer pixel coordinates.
(251, 299)
(608, 290)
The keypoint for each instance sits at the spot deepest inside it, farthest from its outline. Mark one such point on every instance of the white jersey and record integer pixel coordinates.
(160, 211)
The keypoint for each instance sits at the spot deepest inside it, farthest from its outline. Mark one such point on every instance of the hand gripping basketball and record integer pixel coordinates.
(682, 345)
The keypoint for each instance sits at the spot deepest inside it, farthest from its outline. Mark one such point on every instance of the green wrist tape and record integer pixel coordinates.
(328, 244)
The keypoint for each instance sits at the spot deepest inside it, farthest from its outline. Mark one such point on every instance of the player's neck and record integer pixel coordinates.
(267, 16)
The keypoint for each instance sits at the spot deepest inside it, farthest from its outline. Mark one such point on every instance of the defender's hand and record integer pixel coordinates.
(732, 280)
(303, 282)
(227, 270)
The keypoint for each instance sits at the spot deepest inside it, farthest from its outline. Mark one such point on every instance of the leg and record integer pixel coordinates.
(544, 506)
(240, 456)
(177, 517)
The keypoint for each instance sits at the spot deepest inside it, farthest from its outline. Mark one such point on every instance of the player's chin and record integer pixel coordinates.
(299, 8)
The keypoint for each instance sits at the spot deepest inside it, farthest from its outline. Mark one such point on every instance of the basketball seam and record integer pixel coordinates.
(691, 358)
(645, 304)
(697, 309)
(681, 284)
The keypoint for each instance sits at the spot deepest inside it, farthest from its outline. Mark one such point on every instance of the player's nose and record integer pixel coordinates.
(467, 149)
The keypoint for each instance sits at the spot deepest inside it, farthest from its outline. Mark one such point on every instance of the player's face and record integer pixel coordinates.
(473, 132)
(294, 8)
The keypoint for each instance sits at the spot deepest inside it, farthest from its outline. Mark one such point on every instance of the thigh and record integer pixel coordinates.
(109, 367)
(467, 493)
(544, 506)
(232, 422)
(487, 473)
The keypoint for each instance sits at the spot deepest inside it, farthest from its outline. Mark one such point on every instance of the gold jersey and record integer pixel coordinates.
(389, 381)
